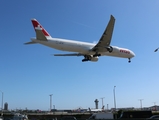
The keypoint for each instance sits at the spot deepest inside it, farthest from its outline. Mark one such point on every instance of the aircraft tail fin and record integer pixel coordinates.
(103, 107)
(90, 110)
(41, 33)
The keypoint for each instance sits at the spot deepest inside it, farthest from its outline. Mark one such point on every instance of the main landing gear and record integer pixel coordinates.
(96, 55)
(86, 58)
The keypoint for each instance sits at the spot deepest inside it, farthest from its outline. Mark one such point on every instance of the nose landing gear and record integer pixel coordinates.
(129, 60)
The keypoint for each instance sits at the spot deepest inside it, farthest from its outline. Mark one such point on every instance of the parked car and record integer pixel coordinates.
(136, 114)
(153, 117)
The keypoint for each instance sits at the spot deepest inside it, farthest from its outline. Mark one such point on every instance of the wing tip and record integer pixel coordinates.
(111, 16)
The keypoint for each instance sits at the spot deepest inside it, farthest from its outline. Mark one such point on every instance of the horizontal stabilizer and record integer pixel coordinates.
(29, 43)
(73, 54)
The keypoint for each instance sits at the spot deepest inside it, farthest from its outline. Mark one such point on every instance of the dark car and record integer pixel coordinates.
(68, 118)
(136, 114)
(153, 117)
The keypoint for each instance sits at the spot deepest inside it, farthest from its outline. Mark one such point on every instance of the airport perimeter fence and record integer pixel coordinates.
(100, 119)
(91, 119)
(119, 119)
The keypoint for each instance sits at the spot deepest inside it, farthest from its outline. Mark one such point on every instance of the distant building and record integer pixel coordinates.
(6, 106)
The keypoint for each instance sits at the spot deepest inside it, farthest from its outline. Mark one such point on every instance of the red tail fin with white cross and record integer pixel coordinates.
(41, 33)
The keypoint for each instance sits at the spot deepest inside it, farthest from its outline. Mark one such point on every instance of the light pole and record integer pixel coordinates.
(107, 107)
(114, 98)
(2, 104)
(102, 101)
(141, 102)
(54, 109)
(2, 100)
(50, 101)
(155, 105)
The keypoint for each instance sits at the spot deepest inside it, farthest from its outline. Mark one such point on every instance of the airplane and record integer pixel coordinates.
(96, 110)
(90, 51)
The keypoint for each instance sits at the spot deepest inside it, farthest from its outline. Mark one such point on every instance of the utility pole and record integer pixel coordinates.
(50, 102)
(141, 102)
(102, 101)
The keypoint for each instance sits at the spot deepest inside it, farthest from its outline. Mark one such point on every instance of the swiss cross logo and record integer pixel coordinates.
(125, 51)
(38, 27)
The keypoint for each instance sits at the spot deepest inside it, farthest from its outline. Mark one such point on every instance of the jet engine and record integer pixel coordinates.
(94, 59)
(109, 48)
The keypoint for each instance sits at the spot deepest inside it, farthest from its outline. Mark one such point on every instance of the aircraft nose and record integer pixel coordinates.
(133, 54)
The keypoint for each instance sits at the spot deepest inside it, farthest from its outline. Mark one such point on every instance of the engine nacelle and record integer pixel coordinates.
(94, 59)
(109, 48)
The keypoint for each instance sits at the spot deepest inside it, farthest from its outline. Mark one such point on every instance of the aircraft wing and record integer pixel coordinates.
(106, 37)
(73, 54)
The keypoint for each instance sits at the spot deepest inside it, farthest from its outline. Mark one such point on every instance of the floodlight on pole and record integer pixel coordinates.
(2, 100)
(102, 101)
(114, 98)
(154, 103)
(50, 102)
(141, 102)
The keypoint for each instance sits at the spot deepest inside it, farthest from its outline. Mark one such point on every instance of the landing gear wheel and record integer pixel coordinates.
(129, 60)
(84, 60)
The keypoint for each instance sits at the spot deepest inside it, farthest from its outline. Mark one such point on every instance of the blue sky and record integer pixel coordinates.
(28, 74)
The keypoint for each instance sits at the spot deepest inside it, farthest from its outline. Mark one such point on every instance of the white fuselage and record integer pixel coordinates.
(82, 47)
